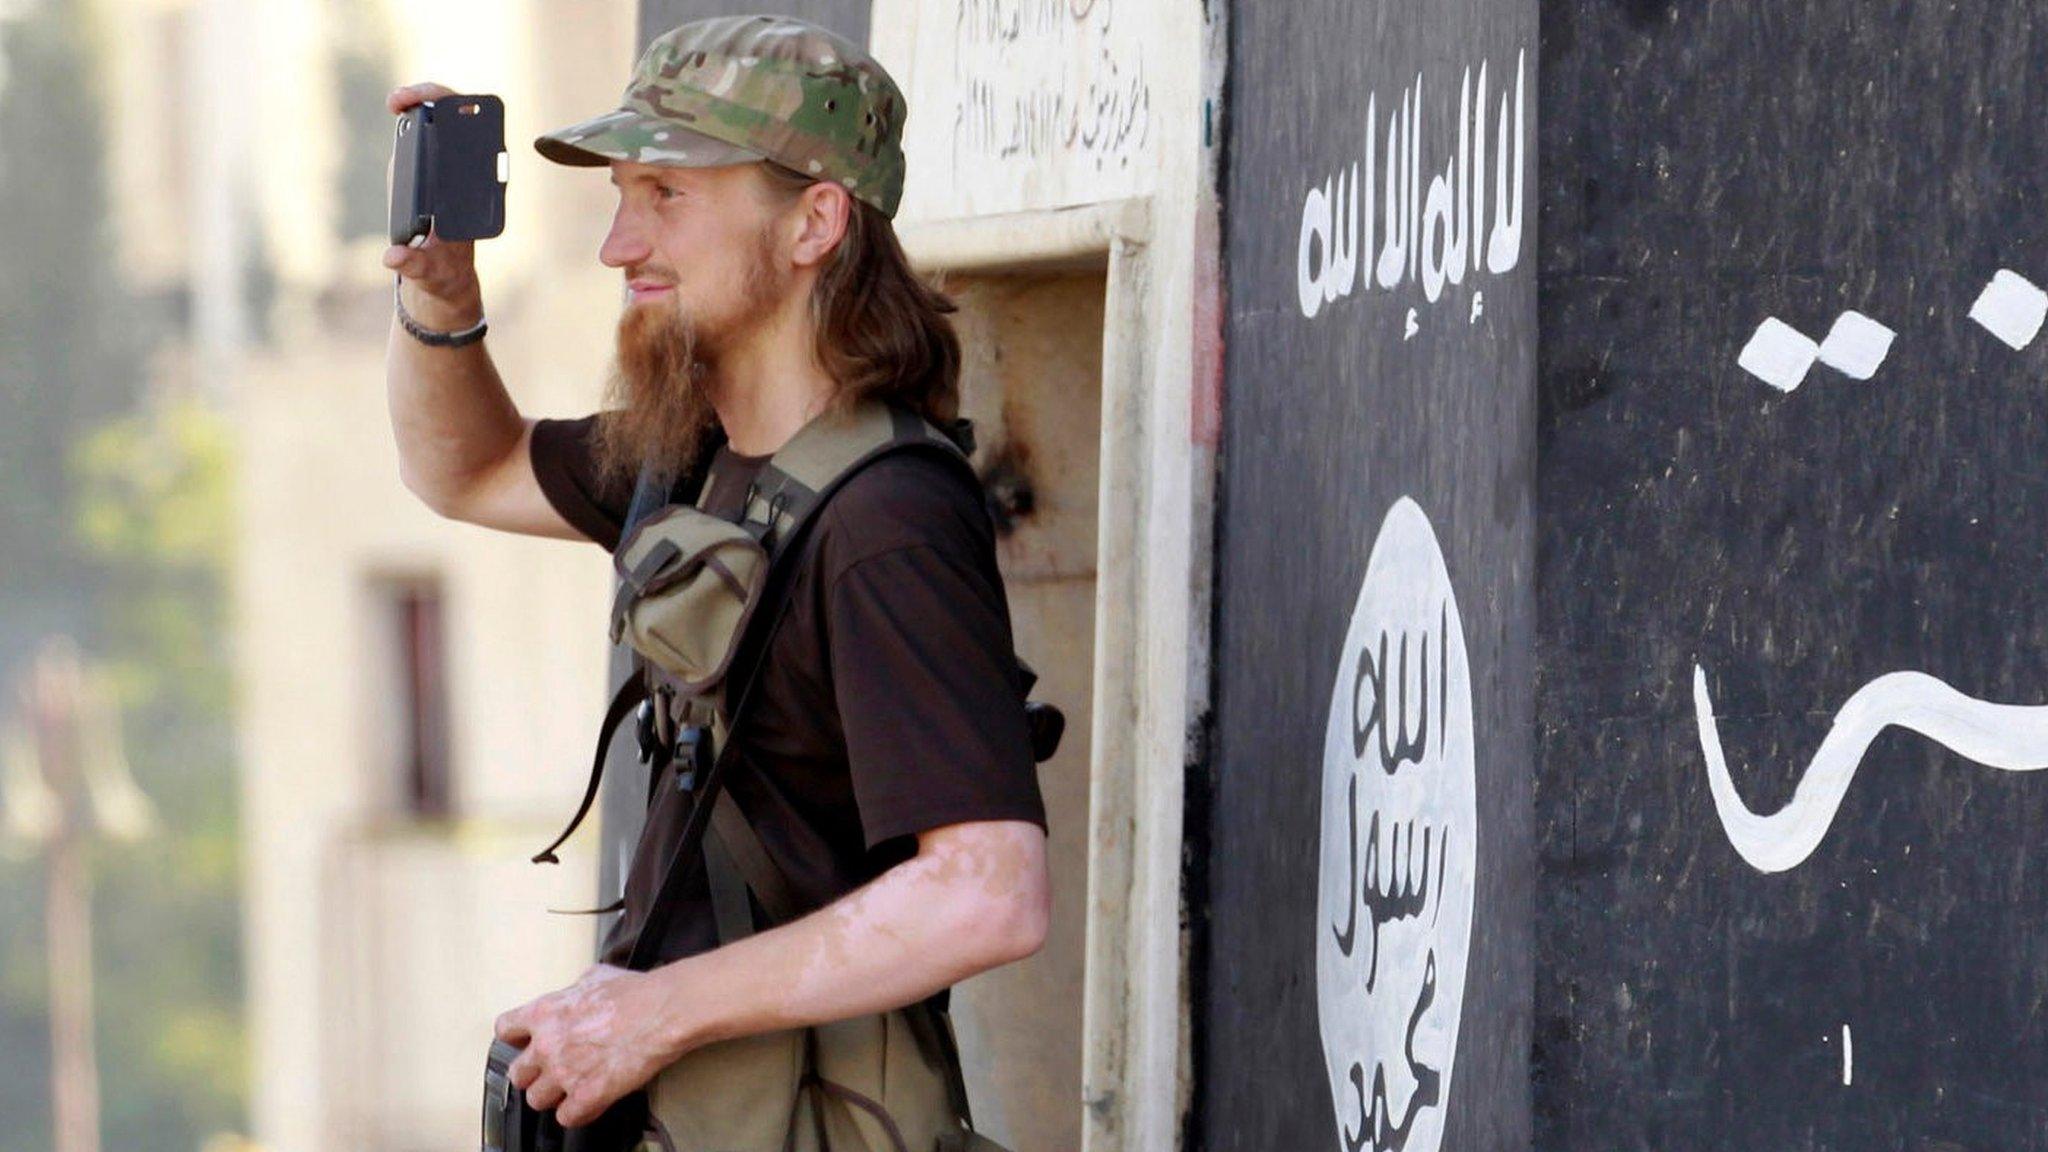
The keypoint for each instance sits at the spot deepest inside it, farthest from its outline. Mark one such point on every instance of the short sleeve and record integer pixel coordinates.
(565, 464)
(924, 673)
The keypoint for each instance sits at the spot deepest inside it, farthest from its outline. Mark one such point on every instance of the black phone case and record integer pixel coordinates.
(448, 170)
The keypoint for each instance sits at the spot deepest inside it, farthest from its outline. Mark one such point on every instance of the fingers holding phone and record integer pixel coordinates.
(401, 99)
(440, 282)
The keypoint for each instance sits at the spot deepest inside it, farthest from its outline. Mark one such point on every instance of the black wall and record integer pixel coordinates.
(1329, 421)
(1707, 166)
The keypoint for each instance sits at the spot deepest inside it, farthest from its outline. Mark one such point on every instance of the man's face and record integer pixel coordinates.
(698, 249)
(697, 241)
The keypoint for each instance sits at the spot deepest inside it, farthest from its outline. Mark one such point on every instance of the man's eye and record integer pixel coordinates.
(664, 192)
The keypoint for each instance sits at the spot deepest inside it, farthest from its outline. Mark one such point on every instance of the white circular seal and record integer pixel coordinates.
(1399, 848)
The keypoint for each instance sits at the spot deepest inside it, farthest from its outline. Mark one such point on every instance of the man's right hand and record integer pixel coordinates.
(438, 278)
(463, 447)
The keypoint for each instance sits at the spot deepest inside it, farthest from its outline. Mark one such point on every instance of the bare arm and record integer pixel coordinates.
(462, 444)
(976, 896)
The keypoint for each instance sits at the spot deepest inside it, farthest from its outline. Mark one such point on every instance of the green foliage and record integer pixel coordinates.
(115, 520)
(156, 514)
(65, 364)
(24, 1027)
(72, 342)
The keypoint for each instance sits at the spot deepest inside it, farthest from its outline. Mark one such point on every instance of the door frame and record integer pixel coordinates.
(1134, 1006)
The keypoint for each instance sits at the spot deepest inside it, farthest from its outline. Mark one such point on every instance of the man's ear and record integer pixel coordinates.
(822, 212)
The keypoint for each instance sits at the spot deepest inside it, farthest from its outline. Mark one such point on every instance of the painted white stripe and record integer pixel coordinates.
(2011, 308)
(1848, 1058)
(1856, 346)
(1778, 354)
(2011, 737)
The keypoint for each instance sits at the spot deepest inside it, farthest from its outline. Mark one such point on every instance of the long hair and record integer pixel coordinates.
(882, 330)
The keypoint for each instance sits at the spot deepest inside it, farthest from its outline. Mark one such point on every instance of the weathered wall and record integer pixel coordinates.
(1014, 104)
(1030, 381)
(1368, 953)
(1018, 104)
(1728, 565)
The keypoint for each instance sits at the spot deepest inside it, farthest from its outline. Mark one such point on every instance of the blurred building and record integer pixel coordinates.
(418, 698)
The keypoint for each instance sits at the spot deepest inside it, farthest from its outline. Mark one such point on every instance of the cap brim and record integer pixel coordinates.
(627, 134)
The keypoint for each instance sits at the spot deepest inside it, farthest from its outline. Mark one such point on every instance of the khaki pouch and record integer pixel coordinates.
(862, 1085)
(688, 584)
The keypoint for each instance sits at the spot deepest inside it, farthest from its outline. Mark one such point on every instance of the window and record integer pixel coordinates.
(409, 724)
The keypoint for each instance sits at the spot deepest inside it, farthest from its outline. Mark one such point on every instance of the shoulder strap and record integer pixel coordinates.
(793, 485)
(826, 453)
(651, 490)
(630, 695)
(789, 488)
(735, 839)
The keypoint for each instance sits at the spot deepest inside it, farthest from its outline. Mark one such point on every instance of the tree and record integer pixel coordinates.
(114, 521)
(156, 513)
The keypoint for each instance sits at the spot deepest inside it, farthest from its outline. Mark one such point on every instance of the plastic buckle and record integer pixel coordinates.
(692, 755)
(650, 743)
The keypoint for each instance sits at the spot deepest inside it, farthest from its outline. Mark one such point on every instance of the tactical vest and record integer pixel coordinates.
(695, 591)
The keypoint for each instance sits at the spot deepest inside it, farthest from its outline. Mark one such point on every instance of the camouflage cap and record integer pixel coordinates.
(739, 88)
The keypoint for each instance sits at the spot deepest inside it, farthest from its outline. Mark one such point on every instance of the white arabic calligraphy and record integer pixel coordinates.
(2012, 737)
(1436, 233)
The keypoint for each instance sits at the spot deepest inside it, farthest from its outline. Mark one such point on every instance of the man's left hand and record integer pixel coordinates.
(588, 1044)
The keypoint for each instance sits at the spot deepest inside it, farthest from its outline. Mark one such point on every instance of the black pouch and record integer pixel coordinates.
(510, 1124)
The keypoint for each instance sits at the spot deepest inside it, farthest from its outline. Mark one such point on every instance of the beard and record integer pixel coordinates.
(657, 411)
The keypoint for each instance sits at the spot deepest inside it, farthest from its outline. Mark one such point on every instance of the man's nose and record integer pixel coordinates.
(626, 244)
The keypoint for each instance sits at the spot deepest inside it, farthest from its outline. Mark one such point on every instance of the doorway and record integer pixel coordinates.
(1031, 381)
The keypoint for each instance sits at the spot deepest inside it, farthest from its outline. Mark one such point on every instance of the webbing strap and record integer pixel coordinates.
(729, 905)
(689, 848)
(807, 470)
(932, 1030)
(630, 695)
(742, 845)
(649, 491)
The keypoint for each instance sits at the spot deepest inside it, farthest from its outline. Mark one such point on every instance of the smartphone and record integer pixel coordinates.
(448, 170)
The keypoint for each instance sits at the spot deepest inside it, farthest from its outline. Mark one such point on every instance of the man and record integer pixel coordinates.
(885, 764)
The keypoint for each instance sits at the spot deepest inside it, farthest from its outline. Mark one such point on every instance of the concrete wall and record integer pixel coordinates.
(1788, 454)
(1063, 135)
(1031, 382)
(1363, 879)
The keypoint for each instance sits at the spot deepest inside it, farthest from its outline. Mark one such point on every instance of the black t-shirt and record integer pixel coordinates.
(888, 704)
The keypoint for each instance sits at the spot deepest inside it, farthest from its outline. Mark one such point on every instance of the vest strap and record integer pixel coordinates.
(628, 697)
